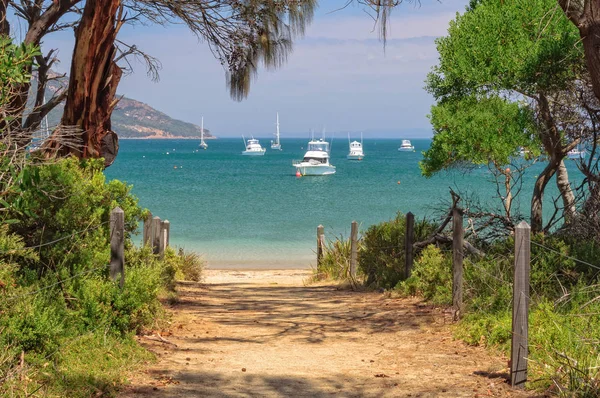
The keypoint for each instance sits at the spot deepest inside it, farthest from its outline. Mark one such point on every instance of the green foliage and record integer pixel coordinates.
(564, 327)
(189, 265)
(520, 46)
(335, 263)
(59, 292)
(431, 277)
(381, 257)
(15, 63)
(496, 55)
(478, 131)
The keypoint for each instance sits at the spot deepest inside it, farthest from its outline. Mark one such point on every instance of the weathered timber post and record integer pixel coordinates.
(164, 237)
(167, 227)
(457, 262)
(320, 244)
(409, 238)
(353, 249)
(147, 239)
(117, 244)
(156, 227)
(520, 313)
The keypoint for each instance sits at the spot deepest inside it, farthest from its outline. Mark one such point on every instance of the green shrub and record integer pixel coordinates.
(190, 265)
(59, 293)
(381, 257)
(431, 277)
(335, 263)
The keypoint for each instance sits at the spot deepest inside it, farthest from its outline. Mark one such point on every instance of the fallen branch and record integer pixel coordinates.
(160, 339)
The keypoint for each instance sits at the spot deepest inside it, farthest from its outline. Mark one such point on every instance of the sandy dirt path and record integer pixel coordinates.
(268, 334)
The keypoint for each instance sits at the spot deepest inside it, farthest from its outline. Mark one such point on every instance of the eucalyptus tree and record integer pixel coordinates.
(585, 15)
(517, 58)
(242, 34)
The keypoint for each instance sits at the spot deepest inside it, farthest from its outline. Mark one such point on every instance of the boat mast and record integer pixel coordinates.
(202, 131)
(277, 135)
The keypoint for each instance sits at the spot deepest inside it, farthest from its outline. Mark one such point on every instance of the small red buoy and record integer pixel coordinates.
(298, 174)
(398, 182)
(507, 170)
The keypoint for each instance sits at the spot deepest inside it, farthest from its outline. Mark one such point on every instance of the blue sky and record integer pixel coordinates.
(338, 77)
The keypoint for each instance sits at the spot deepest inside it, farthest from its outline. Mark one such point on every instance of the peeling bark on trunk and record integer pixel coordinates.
(552, 140)
(93, 82)
(537, 198)
(4, 25)
(585, 15)
(564, 187)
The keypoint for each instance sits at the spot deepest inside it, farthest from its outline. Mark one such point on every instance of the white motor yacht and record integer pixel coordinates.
(356, 149)
(276, 144)
(406, 146)
(253, 148)
(576, 154)
(316, 160)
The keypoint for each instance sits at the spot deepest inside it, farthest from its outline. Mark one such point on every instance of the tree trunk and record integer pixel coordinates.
(93, 82)
(4, 25)
(537, 198)
(564, 187)
(586, 17)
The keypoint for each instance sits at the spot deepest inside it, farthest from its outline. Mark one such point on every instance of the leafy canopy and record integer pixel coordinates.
(496, 58)
(515, 47)
(477, 131)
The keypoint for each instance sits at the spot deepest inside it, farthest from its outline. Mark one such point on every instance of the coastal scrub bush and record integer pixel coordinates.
(431, 277)
(564, 329)
(335, 263)
(54, 285)
(190, 265)
(381, 256)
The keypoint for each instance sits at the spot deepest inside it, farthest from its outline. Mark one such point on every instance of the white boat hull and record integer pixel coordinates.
(254, 153)
(411, 149)
(275, 146)
(355, 157)
(314, 170)
(575, 155)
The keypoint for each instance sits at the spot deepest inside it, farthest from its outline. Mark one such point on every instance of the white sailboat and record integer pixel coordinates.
(356, 149)
(276, 144)
(203, 144)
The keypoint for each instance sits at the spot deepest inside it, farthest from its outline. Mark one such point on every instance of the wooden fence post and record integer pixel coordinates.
(117, 244)
(165, 227)
(320, 244)
(520, 313)
(147, 237)
(457, 262)
(353, 249)
(409, 238)
(156, 227)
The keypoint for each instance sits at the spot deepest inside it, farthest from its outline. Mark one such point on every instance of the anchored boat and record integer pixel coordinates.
(316, 160)
(406, 146)
(356, 149)
(253, 148)
(276, 144)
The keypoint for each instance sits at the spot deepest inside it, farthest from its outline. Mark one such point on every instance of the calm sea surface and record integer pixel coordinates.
(241, 211)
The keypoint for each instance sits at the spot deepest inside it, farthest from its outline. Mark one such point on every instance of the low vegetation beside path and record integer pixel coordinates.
(66, 329)
(564, 327)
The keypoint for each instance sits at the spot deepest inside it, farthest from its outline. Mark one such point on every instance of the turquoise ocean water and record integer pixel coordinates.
(241, 211)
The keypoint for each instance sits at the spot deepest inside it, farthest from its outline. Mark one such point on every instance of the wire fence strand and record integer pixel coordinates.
(566, 256)
(56, 240)
(12, 298)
